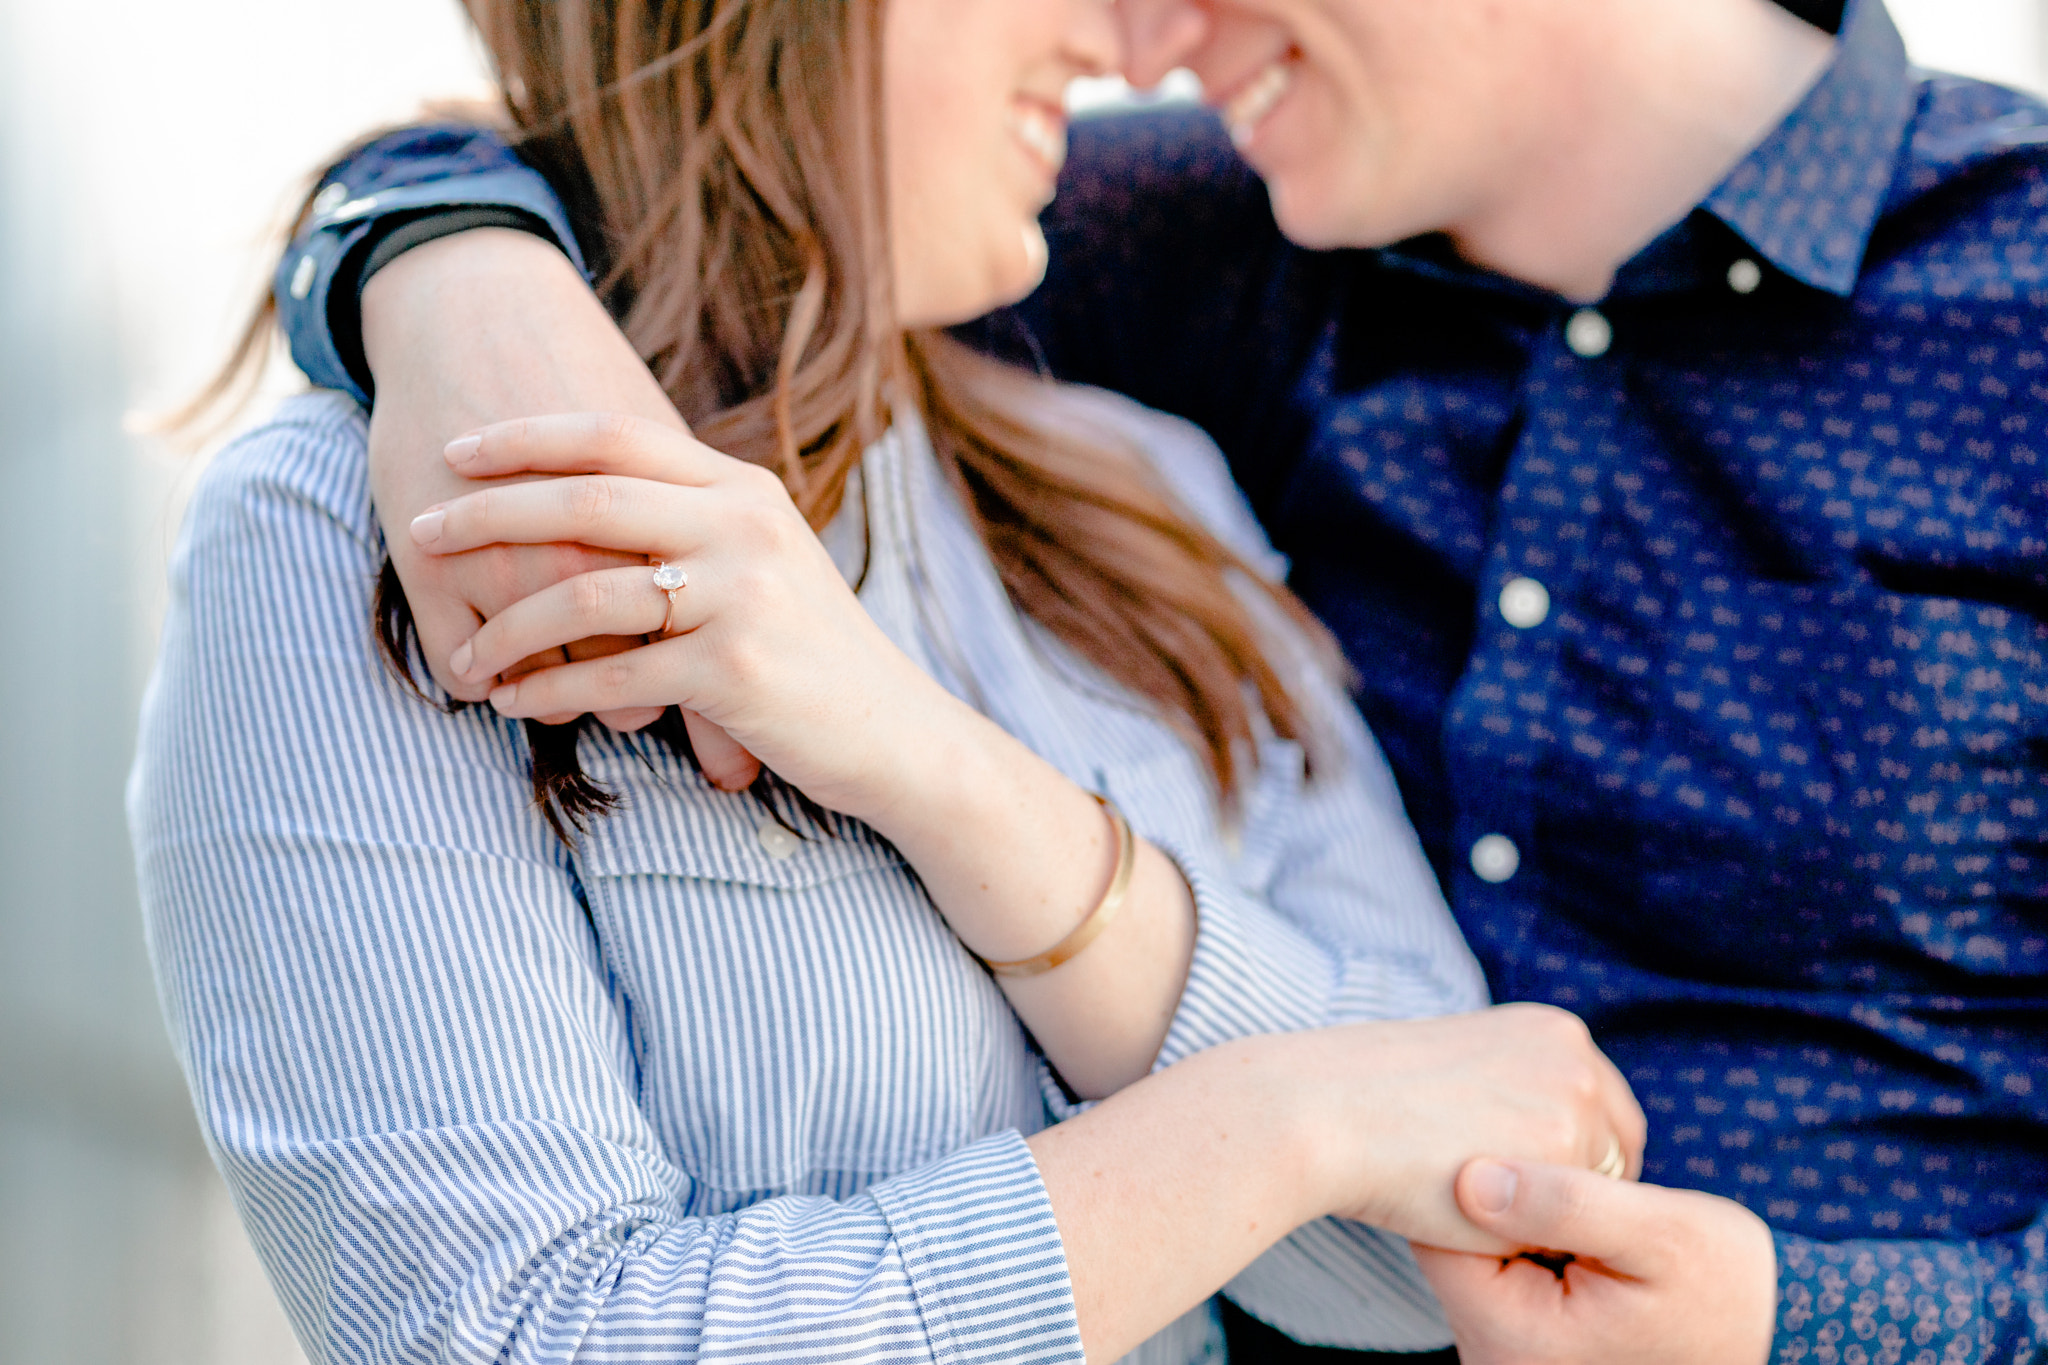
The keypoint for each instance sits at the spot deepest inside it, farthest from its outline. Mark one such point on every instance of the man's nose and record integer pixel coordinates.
(1159, 35)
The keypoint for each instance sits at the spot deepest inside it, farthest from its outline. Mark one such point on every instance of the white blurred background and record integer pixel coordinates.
(148, 148)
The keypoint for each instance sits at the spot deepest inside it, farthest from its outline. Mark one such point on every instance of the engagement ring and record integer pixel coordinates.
(671, 579)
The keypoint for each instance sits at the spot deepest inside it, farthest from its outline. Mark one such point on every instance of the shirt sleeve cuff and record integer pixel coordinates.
(1889, 1300)
(307, 276)
(1256, 972)
(983, 1253)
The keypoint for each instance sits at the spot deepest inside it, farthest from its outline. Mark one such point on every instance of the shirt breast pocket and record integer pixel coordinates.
(800, 1012)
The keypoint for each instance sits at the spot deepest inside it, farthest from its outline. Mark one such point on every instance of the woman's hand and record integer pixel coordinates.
(467, 330)
(766, 641)
(1408, 1104)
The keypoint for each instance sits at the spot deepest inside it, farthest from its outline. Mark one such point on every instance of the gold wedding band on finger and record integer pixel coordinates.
(1614, 1165)
(671, 579)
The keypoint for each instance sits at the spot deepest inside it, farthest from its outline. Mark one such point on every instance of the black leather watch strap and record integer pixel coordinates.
(1822, 14)
(386, 241)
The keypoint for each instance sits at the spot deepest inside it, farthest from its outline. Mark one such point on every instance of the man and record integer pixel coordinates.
(1664, 446)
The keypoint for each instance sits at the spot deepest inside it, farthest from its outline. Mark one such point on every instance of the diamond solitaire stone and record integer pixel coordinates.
(669, 577)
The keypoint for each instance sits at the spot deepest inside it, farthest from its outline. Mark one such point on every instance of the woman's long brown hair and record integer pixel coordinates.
(723, 161)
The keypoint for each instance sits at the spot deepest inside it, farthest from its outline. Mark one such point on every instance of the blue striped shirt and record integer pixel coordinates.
(690, 1089)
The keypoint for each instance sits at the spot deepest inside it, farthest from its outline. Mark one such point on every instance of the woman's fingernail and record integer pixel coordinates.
(502, 698)
(1493, 1186)
(463, 449)
(461, 659)
(426, 527)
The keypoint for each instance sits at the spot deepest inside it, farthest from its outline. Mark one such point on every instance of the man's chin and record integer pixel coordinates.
(1313, 217)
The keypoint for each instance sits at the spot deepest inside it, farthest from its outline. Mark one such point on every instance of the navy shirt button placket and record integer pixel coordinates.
(1498, 825)
(1524, 604)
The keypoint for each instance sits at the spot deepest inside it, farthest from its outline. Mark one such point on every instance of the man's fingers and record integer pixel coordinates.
(584, 443)
(631, 718)
(1459, 1276)
(1563, 1208)
(442, 623)
(1489, 1293)
(726, 763)
(1514, 1311)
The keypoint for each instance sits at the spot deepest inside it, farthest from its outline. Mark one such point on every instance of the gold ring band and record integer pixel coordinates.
(1614, 1165)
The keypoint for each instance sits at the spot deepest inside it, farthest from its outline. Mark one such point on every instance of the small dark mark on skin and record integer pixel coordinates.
(1553, 1261)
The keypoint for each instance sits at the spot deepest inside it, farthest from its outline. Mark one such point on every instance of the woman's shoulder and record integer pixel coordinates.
(1190, 465)
(306, 462)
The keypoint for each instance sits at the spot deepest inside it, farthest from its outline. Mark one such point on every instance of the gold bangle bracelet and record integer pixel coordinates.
(1089, 929)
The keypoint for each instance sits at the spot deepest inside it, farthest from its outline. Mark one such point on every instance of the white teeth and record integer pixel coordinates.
(1044, 135)
(1244, 114)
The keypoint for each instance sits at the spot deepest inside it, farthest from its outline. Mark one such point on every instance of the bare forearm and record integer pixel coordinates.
(1166, 1191)
(495, 324)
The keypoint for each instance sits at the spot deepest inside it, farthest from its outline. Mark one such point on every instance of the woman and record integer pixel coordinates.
(661, 1067)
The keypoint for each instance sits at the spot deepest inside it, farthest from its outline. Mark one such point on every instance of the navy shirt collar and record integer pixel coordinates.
(1808, 198)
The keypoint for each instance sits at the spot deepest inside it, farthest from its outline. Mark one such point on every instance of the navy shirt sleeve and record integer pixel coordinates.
(402, 175)
(1938, 1302)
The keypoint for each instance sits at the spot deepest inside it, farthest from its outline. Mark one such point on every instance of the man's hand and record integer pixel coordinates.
(469, 330)
(1660, 1275)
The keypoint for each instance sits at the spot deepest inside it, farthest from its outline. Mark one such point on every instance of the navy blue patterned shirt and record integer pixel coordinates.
(1706, 629)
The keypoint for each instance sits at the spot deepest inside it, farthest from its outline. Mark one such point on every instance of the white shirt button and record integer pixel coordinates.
(777, 842)
(1745, 276)
(330, 198)
(1496, 859)
(1524, 603)
(302, 277)
(1589, 333)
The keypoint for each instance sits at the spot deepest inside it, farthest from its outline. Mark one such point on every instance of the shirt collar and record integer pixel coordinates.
(1809, 196)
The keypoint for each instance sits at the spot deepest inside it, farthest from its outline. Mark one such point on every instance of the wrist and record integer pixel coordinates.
(945, 762)
(434, 293)
(1269, 1088)
(1014, 854)
(1341, 1098)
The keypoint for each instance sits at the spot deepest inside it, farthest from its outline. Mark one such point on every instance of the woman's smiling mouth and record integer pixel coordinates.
(1042, 131)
